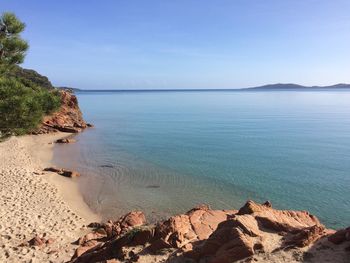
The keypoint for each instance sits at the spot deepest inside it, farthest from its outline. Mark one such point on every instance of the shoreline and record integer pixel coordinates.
(67, 187)
(38, 204)
(49, 206)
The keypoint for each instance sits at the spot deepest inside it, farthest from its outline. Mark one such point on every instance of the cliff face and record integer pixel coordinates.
(67, 119)
(255, 233)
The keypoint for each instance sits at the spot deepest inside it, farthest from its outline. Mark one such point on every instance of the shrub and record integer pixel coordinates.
(22, 108)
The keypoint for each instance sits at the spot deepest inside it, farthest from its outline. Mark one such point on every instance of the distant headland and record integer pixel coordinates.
(268, 87)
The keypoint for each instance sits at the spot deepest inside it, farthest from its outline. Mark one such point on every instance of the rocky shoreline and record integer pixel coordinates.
(68, 118)
(254, 233)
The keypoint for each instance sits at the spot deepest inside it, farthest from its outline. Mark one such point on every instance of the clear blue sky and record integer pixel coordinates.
(186, 43)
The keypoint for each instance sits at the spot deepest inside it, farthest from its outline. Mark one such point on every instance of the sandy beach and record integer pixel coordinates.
(37, 203)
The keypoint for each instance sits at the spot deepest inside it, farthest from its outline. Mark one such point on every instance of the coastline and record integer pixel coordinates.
(49, 206)
(36, 203)
(67, 187)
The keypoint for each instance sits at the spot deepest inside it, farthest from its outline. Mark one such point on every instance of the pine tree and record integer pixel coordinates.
(12, 46)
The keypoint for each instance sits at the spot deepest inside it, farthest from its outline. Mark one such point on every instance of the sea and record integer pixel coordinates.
(164, 152)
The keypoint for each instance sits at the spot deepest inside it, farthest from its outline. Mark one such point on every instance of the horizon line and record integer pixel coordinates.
(288, 86)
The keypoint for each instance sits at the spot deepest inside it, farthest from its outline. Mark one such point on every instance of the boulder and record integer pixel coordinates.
(197, 224)
(141, 236)
(251, 207)
(132, 219)
(279, 220)
(340, 236)
(66, 140)
(227, 244)
(204, 221)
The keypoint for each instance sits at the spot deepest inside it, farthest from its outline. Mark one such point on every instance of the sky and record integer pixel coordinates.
(169, 44)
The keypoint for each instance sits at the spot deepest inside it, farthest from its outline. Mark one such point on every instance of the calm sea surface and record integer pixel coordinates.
(165, 152)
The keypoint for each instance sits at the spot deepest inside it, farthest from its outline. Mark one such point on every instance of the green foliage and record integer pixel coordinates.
(12, 46)
(19, 108)
(29, 78)
(50, 101)
(22, 108)
(25, 96)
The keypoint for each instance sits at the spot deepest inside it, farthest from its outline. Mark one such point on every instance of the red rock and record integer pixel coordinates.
(212, 236)
(340, 236)
(251, 207)
(67, 129)
(248, 224)
(305, 236)
(204, 221)
(227, 244)
(124, 223)
(67, 119)
(176, 231)
(142, 236)
(65, 141)
(279, 220)
(197, 224)
(37, 241)
(100, 253)
(132, 219)
(286, 221)
(50, 241)
(91, 236)
(238, 248)
(89, 247)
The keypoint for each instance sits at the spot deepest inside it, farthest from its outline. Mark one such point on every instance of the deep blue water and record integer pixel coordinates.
(172, 150)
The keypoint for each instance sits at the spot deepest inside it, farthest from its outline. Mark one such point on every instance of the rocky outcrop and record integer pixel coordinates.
(181, 230)
(340, 236)
(67, 119)
(211, 236)
(107, 240)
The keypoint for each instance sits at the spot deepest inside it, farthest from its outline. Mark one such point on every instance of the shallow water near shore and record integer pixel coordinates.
(165, 152)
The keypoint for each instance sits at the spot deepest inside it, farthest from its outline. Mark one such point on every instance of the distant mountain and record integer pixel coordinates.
(279, 86)
(289, 86)
(69, 89)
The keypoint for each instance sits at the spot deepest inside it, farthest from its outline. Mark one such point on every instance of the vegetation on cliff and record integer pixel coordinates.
(25, 96)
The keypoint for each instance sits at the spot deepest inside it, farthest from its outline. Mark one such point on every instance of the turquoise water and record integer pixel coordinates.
(164, 152)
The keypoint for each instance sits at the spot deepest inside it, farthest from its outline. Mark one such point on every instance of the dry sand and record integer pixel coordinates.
(37, 203)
